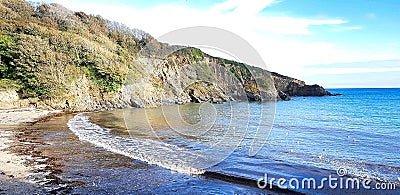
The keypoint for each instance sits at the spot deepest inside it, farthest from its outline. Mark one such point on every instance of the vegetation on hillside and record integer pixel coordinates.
(44, 47)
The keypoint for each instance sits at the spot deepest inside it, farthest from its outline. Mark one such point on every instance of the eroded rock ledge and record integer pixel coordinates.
(288, 87)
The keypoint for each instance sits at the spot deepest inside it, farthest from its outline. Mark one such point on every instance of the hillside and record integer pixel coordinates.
(51, 56)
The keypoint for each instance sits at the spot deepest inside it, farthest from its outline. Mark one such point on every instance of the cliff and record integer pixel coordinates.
(54, 58)
(287, 87)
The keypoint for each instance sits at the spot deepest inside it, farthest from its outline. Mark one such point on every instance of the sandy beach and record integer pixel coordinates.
(11, 165)
(14, 167)
(23, 115)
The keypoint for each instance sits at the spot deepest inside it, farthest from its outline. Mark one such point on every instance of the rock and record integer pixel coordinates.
(283, 96)
(312, 90)
(9, 99)
(254, 97)
(206, 92)
(293, 87)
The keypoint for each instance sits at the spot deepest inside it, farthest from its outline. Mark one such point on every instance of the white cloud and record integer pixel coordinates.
(353, 28)
(350, 28)
(242, 8)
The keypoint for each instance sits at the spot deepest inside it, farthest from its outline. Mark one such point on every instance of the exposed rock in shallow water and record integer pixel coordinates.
(287, 86)
(311, 90)
(283, 96)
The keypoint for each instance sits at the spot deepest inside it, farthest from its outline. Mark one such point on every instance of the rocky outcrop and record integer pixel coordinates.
(283, 96)
(183, 77)
(8, 99)
(206, 92)
(287, 86)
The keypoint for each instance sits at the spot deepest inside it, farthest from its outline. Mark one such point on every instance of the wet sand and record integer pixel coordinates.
(11, 164)
(14, 166)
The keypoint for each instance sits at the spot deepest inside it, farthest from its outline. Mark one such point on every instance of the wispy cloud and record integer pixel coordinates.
(348, 28)
(243, 8)
(247, 13)
(353, 28)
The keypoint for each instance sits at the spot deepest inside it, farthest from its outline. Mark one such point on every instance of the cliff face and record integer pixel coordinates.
(287, 86)
(177, 79)
(50, 56)
(189, 75)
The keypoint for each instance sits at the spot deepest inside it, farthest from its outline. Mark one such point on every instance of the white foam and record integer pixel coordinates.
(153, 152)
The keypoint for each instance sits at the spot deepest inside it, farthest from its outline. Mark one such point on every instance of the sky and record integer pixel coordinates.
(334, 43)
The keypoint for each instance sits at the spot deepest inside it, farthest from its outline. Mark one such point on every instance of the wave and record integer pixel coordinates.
(152, 152)
(238, 168)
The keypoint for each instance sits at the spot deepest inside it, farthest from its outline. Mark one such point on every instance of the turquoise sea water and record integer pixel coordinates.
(358, 132)
(360, 127)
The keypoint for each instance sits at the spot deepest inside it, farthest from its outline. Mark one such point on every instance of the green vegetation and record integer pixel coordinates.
(197, 54)
(45, 48)
(16, 74)
(7, 54)
(156, 85)
(7, 84)
(240, 70)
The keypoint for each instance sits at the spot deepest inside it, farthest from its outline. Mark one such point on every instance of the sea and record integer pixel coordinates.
(347, 144)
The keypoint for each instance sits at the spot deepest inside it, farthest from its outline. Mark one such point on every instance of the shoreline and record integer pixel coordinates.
(14, 167)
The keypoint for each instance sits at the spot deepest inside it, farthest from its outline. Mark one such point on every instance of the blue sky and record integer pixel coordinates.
(335, 43)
